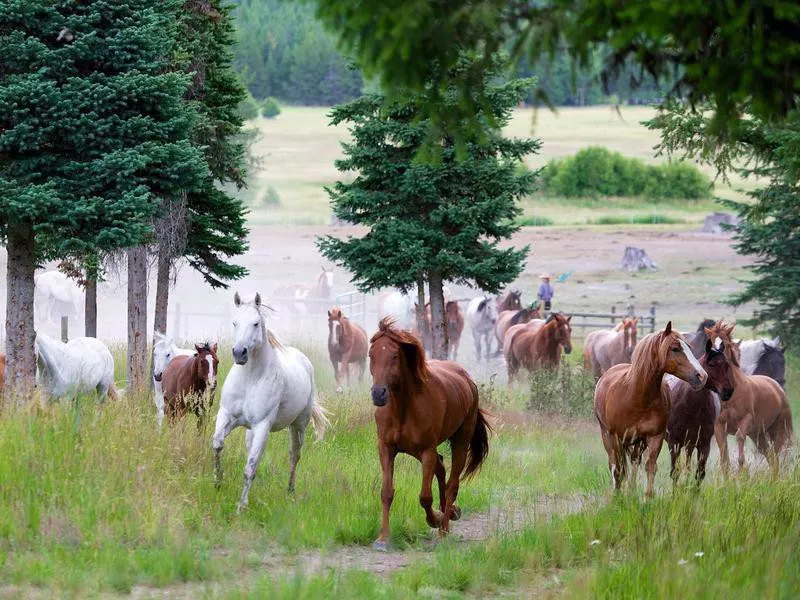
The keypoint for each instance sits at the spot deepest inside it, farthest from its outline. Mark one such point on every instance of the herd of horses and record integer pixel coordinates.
(684, 389)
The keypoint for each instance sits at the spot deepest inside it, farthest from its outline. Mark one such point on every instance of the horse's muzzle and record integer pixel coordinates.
(567, 349)
(726, 394)
(158, 376)
(240, 355)
(380, 394)
(698, 380)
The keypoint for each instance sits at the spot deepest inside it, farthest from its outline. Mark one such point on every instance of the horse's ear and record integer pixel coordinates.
(214, 347)
(329, 313)
(709, 346)
(668, 328)
(199, 347)
(569, 318)
(258, 299)
(237, 300)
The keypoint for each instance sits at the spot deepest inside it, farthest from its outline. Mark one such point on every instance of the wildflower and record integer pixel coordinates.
(594, 543)
(682, 561)
(699, 554)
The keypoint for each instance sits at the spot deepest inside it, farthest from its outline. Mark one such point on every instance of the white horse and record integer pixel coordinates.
(55, 296)
(751, 351)
(270, 387)
(400, 307)
(164, 350)
(482, 316)
(82, 365)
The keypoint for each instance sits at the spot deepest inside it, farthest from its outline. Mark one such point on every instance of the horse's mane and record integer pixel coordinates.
(43, 347)
(521, 314)
(274, 341)
(646, 360)
(707, 323)
(413, 350)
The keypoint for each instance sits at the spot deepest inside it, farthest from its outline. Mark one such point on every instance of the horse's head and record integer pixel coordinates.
(721, 336)
(334, 325)
(325, 279)
(675, 357)
(562, 330)
(718, 368)
(515, 300)
(488, 308)
(629, 331)
(249, 330)
(206, 364)
(396, 361)
(163, 353)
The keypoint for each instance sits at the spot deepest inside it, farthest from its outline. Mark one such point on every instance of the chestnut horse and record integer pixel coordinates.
(537, 344)
(187, 380)
(420, 404)
(455, 326)
(604, 348)
(694, 412)
(322, 288)
(631, 402)
(758, 408)
(509, 318)
(511, 300)
(347, 344)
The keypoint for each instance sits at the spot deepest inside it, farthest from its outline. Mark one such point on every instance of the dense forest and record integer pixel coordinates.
(284, 52)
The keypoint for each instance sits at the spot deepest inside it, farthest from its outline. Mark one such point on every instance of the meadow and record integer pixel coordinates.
(97, 502)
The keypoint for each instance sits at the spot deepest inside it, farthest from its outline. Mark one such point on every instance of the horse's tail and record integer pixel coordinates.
(478, 445)
(319, 420)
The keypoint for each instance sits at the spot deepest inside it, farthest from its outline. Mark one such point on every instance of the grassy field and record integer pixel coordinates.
(97, 502)
(298, 150)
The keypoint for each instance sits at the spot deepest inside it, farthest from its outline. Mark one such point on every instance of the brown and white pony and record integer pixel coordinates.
(347, 344)
(421, 404)
(604, 348)
(757, 409)
(631, 401)
(537, 344)
(189, 383)
(455, 326)
(322, 289)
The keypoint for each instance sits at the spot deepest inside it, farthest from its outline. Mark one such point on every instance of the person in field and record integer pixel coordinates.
(545, 291)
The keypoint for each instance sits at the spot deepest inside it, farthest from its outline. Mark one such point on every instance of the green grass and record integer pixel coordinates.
(640, 219)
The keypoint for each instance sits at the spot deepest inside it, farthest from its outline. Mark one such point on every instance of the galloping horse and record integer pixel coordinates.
(455, 326)
(420, 404)
(511, 300)
(164, 350)
(509, 318)
(757, 409)
(537, 344)
(694, 412)
(270, 387)
(189, 381)
(631, 403)
(604, 348)
(482, 316)
(82, 365)
(347, 344)
(322, 288)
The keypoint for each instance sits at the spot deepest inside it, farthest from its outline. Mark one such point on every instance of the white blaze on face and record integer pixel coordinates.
(693, 361)
(212, 377)
(335, 333)
(718, 343)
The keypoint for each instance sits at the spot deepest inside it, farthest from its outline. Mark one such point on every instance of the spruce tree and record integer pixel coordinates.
(93, 133)
(430, 221)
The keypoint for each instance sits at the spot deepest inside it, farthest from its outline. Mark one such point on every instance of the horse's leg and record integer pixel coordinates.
(158, 399)
(257, 444)
(459, 448)
(429, 460)
(441, 475)
(346, 367)
(703, 451)
(476, 339)
(745, 428)
(297, 432)
(222, 428)
(387, 456)
(613, 456)
(721, 435)
(674, 457)
(654, 449)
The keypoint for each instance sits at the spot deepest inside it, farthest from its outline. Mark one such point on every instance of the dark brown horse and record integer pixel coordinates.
(694, 412)
(455, 326)
(537, 344)
(631, 402)
(347, 344)
(420, 404)
(187, 381)
(511, 300)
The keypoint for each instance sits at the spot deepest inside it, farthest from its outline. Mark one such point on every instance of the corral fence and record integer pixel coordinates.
(647, 321)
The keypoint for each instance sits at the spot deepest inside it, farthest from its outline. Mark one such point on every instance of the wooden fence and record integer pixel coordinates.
(647, 321)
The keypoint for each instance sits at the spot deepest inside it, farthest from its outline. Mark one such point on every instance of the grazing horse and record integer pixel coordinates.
(757, 409)
(511, 300)
(420, 404)
(322, 289)
(694, 412)
(455, 326)
(81, 366)
(604, 348)
(270, 387)
(400, 307)
(764, 357)
(347, 344)
(482, 316)
(631, 403)
(164, 350)
(537, 344)
(188, 381)
(509, 318)
(2, 373)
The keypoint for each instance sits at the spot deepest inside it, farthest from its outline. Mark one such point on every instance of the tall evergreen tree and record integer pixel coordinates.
(93, 133)
(437, 221)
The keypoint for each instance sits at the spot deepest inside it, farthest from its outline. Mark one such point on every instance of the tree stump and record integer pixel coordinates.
(636, 259)
(714, 222)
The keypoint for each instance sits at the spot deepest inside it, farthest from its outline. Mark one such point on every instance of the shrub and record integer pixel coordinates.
(248, 108)
(569, 392)
(596, 172)
(271, 197)
(270, 108)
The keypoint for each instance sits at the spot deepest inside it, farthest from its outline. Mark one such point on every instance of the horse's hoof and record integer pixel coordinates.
(240, 508)
(455, 513)
(380, 546)
(437, 520)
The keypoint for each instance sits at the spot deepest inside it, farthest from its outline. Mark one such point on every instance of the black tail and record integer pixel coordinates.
(478, 446)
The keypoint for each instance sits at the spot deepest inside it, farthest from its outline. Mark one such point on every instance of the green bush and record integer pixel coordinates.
(649, 219)
(598, 172)
(271, 197)
(270, 108)
(248, 108)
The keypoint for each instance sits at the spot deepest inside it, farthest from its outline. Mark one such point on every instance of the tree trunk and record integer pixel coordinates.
(162, 296)
(90, 301)
(137, 319)
(20, 334)
(421, 325)
(438, 323)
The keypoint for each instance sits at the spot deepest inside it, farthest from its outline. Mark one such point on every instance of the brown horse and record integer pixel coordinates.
(694, 412)
(511, 300)
(604, 348)
(455, 326)
(420, 404)
(509, 318)
(187, 380)
(347, 344)
(322, 289)
(758, 408)
(537, 344)
(631, 402)
(2, 373)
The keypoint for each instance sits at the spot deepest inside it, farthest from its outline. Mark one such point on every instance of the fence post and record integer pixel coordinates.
(652, 318)
(64, 329)
(613, 317)
(176, 325)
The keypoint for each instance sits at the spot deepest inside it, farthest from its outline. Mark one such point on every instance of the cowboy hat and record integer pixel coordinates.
(544, 276)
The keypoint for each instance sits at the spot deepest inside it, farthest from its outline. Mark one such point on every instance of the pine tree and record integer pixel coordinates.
(434, 221)
(93, 133)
